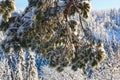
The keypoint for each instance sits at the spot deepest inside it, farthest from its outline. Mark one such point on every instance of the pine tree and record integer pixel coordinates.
(46, 27)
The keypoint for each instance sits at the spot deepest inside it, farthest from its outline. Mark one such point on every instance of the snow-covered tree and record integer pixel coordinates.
(47, 27)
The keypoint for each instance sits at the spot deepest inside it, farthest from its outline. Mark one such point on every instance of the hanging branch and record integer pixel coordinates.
(66, 11)
(40, 30)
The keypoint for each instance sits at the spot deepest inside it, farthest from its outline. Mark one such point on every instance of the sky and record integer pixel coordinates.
(21, 4)
(105, 4)
(96, 4)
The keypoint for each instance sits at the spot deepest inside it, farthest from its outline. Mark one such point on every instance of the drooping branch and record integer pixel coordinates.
(46, 29)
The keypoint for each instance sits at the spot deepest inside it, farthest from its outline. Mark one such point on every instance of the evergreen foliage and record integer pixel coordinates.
(46, 28)
(6, 7)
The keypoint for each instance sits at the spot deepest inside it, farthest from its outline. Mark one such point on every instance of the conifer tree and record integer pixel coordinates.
(46, 27)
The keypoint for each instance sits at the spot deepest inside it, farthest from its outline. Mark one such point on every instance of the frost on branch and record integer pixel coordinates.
(47, 28)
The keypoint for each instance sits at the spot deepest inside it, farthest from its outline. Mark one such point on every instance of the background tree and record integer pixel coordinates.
(47, 27)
